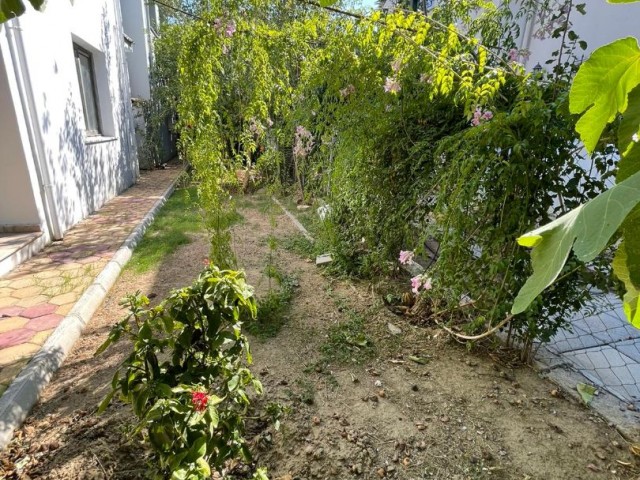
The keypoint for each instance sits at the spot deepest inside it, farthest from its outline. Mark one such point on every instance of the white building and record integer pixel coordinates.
(66, 125)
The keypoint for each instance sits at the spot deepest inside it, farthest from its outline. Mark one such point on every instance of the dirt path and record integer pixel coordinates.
(361, 406)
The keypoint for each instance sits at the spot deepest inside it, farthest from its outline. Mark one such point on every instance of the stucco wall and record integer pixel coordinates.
(136, 26)
(86, 171)
(17, 199)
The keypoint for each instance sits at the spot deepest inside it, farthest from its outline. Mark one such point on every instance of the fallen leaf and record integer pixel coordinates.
(586, 392)
(420, 360)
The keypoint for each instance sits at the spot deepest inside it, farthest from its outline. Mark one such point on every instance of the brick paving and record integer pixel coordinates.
(36, 296)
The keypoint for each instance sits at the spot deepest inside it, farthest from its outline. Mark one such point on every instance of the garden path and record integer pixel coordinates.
(37, 295)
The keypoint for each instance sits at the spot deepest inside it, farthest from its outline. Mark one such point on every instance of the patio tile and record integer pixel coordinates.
(12, 323)
(65, 309)
(26, 292)
(39, 310)
(17, 352)
(32, 301)
(22, 282)
(46, 322)
(7, 302)
(64, 298)
(15, 337)
(10, 311)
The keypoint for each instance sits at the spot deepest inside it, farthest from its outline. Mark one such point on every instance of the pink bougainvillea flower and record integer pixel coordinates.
(396, 64)
(392, 85)
(346, 91)
(199, 401)
(416, 282)
(205, 261)
(230, 29)
(513, 55)
(405, 256)
(480, 116)
(427, 285)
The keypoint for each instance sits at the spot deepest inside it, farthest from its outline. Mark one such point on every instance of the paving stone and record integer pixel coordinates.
(12, 323)
(10, 311)
(46, 322)
(64, 309)
(22, 282)
(5, 291)
(26, 292)
(39, 310)
(7, 301)
(32, 301)
(41, 337)
(64, 298)
(11, 354)
(49, 273)
(15, 337)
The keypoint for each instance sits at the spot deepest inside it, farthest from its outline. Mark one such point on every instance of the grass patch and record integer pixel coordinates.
(347, 341)
(300, 245)
(170, 229)
(273, 308)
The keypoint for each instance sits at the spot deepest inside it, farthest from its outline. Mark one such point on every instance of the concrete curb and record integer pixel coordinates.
(295, 221)
(25, 390)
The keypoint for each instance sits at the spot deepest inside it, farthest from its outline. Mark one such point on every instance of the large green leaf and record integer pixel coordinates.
(628, 133)
(621, 269)
(587, 229)
(602, 85)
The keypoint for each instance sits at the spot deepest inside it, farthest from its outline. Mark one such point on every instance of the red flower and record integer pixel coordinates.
(199, 401)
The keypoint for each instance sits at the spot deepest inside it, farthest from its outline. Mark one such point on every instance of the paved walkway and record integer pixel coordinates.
(36, 296)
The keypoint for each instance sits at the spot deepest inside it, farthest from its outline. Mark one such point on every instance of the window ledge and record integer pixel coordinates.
(98, 139)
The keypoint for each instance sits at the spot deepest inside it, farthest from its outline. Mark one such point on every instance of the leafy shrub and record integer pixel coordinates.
(185, 377)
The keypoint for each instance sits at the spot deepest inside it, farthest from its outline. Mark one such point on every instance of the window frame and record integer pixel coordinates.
(80, 51)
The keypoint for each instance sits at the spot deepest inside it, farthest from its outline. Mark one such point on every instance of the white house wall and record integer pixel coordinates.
(85, 171)
(17, 199)
(135, 23)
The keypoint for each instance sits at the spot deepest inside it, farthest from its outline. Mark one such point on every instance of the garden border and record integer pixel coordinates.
(23, 393)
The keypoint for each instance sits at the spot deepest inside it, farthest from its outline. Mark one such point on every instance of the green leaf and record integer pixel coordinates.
(629, 149)
(10, 9)
(587, 229)
(327, 3)
(621, 269)
(622, 1)
(105, 402)
(198, 449)
(602, 85)
(586, 392)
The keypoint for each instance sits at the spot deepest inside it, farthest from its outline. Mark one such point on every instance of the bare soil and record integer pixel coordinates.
(363, 402)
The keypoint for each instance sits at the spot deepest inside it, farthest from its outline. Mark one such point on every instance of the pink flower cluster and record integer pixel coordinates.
(420, 281)
(392, 85)
(303, 143)
(480, 116)
(405, 256)
(514, 54)
(229, 27)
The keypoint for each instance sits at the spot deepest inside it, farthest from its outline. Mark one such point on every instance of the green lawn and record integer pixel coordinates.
(178, 218)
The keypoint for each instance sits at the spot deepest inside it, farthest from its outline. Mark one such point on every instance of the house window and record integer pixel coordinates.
(87, 82)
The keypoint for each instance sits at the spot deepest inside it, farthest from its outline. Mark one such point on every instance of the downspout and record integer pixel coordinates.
(25, 88)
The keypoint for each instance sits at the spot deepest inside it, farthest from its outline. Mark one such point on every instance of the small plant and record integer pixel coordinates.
(185, 378)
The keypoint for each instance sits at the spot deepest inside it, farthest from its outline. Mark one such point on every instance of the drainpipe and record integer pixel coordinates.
(25, 88)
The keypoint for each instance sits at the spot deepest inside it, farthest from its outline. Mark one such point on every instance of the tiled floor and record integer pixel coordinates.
(35, 297)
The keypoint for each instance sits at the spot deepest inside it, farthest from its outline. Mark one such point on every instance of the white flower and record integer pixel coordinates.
(635, 137)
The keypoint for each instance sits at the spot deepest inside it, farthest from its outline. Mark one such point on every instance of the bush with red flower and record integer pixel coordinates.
(186, 377)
